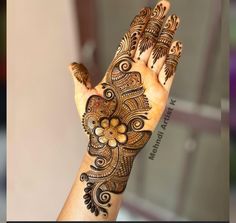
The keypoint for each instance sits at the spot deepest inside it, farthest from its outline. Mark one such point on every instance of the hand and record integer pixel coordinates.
(121, 112)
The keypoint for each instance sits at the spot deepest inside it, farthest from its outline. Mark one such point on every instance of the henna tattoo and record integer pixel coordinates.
(114, 122)
(152, 29)
(172, 60)
(130, 40)
(80, 72)
(164, 41)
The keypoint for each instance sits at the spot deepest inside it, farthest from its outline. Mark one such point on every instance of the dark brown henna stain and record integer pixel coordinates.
(115, 127)
(130, 40)
(114, 123)
(164, 41)
(153, 28)
(172, 60)
(80, 72)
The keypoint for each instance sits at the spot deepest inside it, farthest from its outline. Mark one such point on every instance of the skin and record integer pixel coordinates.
(157, 89)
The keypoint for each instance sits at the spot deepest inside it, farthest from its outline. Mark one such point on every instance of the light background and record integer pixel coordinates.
(189, 177)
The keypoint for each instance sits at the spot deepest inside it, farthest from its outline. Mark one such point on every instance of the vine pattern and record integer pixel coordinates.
(115, 120)
(114, 123)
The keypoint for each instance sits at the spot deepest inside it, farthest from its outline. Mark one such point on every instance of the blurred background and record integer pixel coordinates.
(188, 180)
(233, 110)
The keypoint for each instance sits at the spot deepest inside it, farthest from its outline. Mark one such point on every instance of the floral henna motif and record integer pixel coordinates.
(111, 132)
(172, 60)
(164, 41)
(114, 122)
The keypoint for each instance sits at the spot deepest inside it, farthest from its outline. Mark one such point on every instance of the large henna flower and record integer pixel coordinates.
(111, 132)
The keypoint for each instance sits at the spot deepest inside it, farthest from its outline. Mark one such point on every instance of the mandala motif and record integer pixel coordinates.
(111, 132)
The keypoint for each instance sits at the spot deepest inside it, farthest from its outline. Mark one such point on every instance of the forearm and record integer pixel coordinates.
(75, 207)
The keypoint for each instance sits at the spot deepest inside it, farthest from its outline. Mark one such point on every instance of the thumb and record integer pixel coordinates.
(83, 88)
(81, 78)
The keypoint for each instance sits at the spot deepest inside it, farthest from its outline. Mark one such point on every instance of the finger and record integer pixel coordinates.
(81, 78)
(162, 47)
(152, 30)
(130, 40)
(168, 71)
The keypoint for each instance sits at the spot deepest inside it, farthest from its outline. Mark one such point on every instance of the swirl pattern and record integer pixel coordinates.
(114, 122)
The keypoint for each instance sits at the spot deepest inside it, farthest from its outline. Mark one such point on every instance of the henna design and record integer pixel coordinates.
(80, 72)
(172, 60)
(152, 29)
(114, 122)
(164, 41)
(130, 40)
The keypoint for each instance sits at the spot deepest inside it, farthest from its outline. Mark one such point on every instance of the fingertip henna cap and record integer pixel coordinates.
(79, 71)
(172, 59)
(176, 49)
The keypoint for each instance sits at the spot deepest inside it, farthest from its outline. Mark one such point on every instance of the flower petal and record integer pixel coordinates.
(114, 122)
(105, 123)
(99, 131)
(121, 128)
(112, 143)
(121, 138)
(102, 139)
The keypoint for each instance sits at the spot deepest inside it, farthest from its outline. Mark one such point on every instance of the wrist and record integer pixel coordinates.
(104, 174)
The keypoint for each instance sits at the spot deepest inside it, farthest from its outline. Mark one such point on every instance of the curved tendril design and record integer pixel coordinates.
(114, 122)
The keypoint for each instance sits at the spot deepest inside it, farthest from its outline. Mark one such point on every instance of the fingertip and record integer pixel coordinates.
(172, 22)
(80, 74)
(168, 71)
(176, 48)
(165, 4)
(70, 67)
